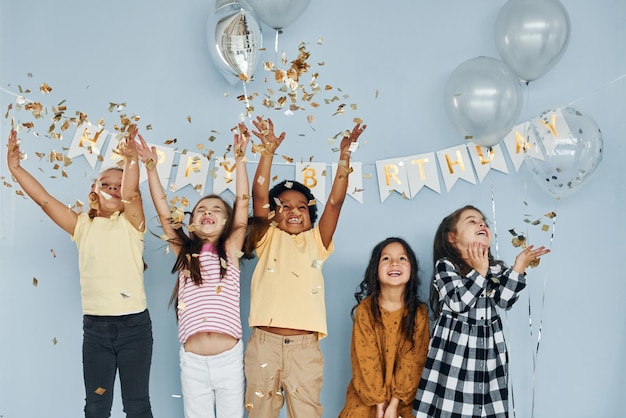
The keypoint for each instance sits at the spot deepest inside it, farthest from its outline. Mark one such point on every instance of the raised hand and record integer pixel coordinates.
(347, 140)
(13, 152)
(529, 257)
(265, 132)
(147, 154)
(240, 141)
(478, 257)
(128, 148)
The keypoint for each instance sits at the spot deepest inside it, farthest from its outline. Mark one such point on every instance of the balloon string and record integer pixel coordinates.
(543, 300)
(276, 48)
(497, 248)
(15, 94)
(245, 95)
(598, 90)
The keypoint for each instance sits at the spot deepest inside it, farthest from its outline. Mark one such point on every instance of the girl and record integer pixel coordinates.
(466, 368)
(390, 335)
(117, 331)
(207, 291)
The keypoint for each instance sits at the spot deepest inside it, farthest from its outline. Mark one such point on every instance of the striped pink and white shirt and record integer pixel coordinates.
(214, 306)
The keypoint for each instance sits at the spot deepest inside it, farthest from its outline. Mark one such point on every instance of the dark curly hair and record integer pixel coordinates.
(298, 187)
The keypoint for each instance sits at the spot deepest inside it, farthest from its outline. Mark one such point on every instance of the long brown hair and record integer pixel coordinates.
(370, 286)
(191, 245)
(443, 248)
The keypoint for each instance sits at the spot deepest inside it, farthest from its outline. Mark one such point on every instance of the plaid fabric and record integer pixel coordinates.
(466, 368)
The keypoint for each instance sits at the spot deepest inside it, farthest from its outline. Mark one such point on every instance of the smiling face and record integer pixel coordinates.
(108, 191)
(394, 267)
(471, 227)
(293, 215)
(209, 219)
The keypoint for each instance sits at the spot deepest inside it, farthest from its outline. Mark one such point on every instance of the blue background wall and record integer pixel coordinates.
(392, 59)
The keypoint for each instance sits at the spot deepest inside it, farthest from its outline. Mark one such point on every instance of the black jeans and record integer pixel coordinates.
(112, 343)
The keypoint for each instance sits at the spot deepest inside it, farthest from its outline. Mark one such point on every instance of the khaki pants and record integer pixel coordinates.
(280, 369)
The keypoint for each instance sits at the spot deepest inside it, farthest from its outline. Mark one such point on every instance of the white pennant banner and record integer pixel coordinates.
(313, 176)
(455, 164)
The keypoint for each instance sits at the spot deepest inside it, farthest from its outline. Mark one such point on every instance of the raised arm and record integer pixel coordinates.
(131, 197)
(242, 190)
(261, 182)
(150, 158)
(330, 216)
(57, 211)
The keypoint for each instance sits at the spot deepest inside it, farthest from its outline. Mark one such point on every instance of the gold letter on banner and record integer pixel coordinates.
(420, 163)
(309, 177)
(458, 161)
(479, 151)
(391, 172)
(520, 143)
(551, 125)
(193, 164)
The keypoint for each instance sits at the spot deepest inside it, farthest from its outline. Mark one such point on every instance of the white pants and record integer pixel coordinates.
(213, 386)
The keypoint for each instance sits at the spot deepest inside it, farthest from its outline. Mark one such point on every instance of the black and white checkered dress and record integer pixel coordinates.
(466, 369)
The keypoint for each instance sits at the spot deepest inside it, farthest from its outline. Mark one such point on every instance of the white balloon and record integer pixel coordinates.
(532, 35)
(278, 14)
(483, 99)
(571, 146)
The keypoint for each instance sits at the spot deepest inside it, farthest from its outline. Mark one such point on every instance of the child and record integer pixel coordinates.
(207, 293)
(287, 312)
(389, 337)
(466, 369)
(117, 331)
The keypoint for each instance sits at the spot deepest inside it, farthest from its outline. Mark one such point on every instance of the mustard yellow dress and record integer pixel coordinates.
(384, 363)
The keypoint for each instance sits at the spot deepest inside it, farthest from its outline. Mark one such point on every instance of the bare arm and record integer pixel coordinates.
(261, 182)
(133, 205)
(242, 190)
(149, 157)
(330, 216)
(57, 211)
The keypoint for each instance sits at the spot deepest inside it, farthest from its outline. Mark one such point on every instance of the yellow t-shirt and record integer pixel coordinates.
(111, 265)
(287, 288)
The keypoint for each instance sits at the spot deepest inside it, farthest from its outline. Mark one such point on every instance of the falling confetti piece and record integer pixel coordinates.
(54, 255)
(100, 391)
(35, 281)
(54, 341)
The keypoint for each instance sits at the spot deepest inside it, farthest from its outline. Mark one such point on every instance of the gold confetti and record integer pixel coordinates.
(100, 391)
(218, 289)
(54, 341)
(45, 88)
(54, 255)
(181, 306)
(35, 281)
(316, 264)
(534, 262)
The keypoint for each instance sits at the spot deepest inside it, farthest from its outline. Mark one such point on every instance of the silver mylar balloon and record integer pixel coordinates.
(532, 35)
(278, 14)
(571, 144)
(483, 99)
(235, 40)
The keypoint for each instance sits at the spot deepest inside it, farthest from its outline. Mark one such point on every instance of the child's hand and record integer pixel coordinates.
(527, 256)
(147, 155)
(380, 410)
(128, 149)
(240, 141)
(13, 152)
(347, 140)
(478, 257)
(266, 134)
